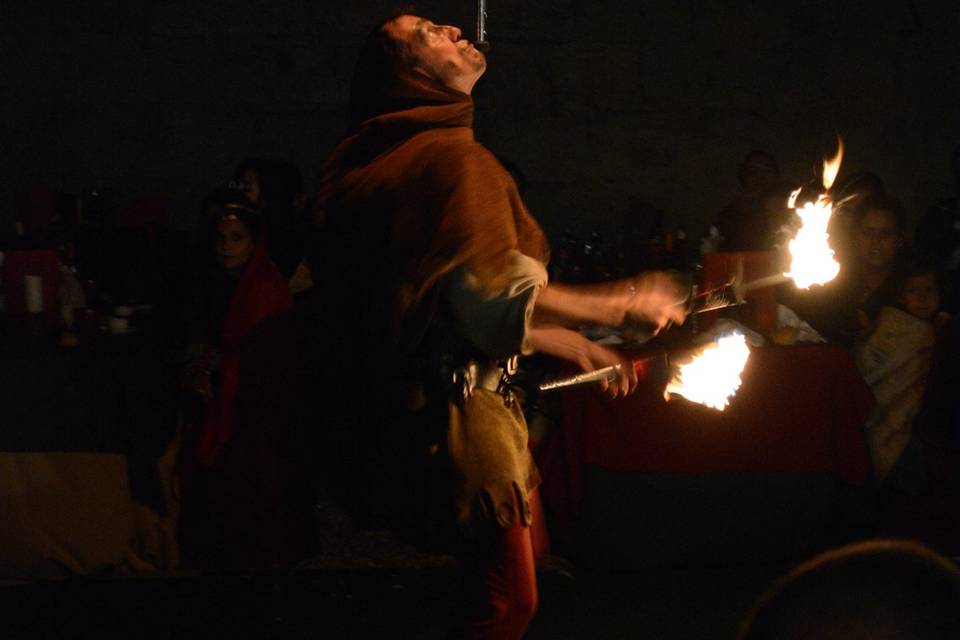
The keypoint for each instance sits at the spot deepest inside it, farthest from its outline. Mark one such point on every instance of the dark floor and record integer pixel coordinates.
(366, 584)
(691, 604)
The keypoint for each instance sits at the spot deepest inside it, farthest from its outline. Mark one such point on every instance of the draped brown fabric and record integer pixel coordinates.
(413, 173)
(407, 197)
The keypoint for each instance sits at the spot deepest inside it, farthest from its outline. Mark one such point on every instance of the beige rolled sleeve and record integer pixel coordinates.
(497, 322)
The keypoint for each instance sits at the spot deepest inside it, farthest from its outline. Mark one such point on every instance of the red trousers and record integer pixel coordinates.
(500, 587)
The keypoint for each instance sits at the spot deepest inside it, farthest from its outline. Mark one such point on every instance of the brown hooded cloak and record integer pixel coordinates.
(408, 197)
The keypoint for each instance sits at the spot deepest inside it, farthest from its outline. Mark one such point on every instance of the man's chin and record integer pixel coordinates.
(479, 61)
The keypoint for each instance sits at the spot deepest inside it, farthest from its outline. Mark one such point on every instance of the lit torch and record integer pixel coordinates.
(709, 375)
(811, 258)
(712, 376)
(810, 253)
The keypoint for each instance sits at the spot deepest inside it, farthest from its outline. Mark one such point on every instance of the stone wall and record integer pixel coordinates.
(601, 103)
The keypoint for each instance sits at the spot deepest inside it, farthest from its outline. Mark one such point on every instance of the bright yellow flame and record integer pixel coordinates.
(831, 167)
(713, 376)
(792, 200)
(811, 258)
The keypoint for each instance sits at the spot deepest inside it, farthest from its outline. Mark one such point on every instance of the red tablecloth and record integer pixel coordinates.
(800, 409)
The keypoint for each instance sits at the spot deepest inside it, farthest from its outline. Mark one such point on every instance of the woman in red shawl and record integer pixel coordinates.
(235, 469)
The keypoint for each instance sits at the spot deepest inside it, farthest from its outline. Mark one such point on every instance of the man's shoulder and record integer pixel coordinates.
(452, 153)
(450, 142)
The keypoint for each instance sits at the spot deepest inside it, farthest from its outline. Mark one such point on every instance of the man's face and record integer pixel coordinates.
(439, 52)
(878, 239)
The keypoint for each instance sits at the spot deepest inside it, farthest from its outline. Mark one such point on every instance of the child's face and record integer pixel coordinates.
(921, 296)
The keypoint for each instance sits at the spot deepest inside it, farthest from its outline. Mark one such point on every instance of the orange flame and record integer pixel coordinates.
(831, 167)
(811, 258)
(713, 376)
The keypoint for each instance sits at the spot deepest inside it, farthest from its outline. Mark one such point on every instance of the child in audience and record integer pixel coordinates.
(895, 360)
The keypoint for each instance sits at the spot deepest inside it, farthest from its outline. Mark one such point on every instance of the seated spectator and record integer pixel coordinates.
(938, 232)
(249, 177)
(848, 195)
(846, 308)
(236, 465)
(876, 590)
(751, 221)
(895, 361)
(276, 187)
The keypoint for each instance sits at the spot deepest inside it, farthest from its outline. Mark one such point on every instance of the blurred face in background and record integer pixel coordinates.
(758, 172)
(921, 295)
(878, 240)
(233, 243)
(250, 185)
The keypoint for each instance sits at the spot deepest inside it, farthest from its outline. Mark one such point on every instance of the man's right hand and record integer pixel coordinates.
(589, 356)
(600, 357)
(657, 297)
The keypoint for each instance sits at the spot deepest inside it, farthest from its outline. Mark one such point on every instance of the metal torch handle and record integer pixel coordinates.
(608, 374)
(481, 40)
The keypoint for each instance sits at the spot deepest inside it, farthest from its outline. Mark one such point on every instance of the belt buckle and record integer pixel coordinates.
(509, 368)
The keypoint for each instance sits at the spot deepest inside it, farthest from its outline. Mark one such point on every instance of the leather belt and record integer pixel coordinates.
(492, 376)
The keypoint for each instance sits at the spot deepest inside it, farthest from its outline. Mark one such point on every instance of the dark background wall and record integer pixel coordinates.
(600, 103)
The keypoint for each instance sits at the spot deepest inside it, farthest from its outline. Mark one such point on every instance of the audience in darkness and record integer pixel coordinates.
(752, 220)
(938, 231)
(276, 187)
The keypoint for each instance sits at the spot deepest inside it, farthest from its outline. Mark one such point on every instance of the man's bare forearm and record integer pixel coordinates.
(574, 305)
(654, 297)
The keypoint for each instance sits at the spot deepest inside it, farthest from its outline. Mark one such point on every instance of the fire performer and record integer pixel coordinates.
(432, 277)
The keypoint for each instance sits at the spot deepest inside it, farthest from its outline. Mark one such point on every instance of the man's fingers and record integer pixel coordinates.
(676, 314)
(631, 373)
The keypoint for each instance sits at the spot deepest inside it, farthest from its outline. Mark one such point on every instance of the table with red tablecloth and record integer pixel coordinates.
(795, 424)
